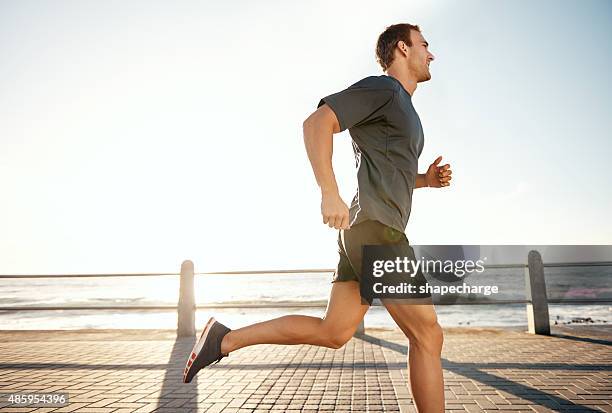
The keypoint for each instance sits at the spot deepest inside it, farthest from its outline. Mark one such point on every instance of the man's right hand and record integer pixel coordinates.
(335, 212)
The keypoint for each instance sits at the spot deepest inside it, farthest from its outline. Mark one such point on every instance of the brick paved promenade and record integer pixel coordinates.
(486, 370)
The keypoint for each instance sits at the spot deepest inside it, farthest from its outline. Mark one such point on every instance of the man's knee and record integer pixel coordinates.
(336, 337)
(337, 341)
(430, 337)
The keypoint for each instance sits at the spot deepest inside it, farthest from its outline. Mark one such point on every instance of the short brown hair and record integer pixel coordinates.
(388, 40)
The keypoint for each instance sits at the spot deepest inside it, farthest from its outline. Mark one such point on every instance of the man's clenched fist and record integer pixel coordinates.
(334, 210)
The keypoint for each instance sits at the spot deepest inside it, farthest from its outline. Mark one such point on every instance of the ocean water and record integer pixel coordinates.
(562, 283)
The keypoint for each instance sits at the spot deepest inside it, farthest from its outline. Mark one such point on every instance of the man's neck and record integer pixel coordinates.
(409, 83)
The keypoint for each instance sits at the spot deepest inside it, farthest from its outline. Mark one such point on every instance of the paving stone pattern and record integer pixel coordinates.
(485, 370)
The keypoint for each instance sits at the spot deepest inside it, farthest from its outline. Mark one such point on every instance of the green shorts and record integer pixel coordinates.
(370, 232)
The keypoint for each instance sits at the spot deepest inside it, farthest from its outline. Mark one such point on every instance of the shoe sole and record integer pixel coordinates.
(198, 347)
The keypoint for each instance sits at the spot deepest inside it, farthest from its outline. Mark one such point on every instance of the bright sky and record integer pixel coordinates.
(134, 135)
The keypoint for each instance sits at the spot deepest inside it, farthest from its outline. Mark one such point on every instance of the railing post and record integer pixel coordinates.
(186, 304)
(360, 328)
(537, 308)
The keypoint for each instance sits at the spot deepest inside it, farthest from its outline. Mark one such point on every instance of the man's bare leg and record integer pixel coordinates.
(342, 317)
(419, 323)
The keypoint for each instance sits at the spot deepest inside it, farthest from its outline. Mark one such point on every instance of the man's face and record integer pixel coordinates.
(419, 58)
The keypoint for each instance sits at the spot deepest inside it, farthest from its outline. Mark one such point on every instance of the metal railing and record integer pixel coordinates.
(536, 299)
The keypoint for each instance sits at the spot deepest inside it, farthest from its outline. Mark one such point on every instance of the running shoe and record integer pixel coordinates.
(207, 349)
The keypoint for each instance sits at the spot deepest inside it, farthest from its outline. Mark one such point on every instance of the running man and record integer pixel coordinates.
(387, 139)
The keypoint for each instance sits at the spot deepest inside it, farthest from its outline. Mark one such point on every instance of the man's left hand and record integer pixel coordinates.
(438, 176)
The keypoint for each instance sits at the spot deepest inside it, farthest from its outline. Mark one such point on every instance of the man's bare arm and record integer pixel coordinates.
(319, 129)
(420, 181)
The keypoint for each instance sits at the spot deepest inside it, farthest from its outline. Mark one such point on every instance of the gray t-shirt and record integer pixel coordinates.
(387, 141)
